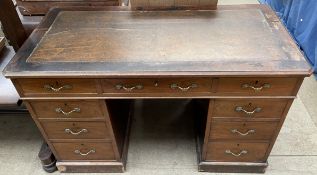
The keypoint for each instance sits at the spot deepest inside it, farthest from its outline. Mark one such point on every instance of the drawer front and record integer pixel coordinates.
(242, 130)
(249, 108)
(67, 109)
(57, 87)
(169, 3)
(236, 151)
(256, 86)
(172, 86)
(84, 151)
(76, 130)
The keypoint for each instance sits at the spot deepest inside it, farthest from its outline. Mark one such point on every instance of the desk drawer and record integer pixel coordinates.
(236, 151)
(249, 108)
(172, 86)
(256, 86)
(242, 130)
(76, 130)
(84, 151)
(67, 109)
(57, 87)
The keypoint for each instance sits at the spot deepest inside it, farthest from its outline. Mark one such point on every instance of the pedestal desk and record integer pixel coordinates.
(81, 69)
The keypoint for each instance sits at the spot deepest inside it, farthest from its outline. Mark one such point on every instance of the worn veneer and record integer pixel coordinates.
(86, 65)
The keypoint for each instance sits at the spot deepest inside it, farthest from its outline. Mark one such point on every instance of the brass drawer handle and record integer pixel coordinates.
(251, 131)
(236, 154)
(256, 89)
(129, 89)
(51, 88)
(84, 154)
(240, 109)
(67, 130)
(60, 110)
(183, 89)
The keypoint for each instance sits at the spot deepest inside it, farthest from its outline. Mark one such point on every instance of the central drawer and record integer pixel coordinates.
(157, 85)
(76, 130)
(67, 109)
(84, 151)
(242, 130)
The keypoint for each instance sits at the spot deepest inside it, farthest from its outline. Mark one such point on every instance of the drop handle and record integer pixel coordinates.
(70, 131)
(236, 154)
(60, 110)
(52, 88)
(129, 89)
(251, 131)
(183, 89)
(84, 154)
(255, 110)
(256, 89)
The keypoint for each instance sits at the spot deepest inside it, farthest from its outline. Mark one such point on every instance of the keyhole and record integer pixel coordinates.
(250, 104)
(238, 144)
(156, 84)
(74, 124)
(256, 82)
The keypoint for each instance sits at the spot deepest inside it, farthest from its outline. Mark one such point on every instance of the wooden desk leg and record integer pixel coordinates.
(47, 158)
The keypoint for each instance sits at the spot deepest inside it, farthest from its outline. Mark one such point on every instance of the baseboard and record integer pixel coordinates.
(88, 167)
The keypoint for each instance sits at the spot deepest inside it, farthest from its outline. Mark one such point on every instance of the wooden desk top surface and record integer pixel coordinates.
(248, 40)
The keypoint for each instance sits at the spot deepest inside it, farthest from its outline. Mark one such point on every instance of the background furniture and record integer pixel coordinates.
(81, 101)
(12, 27)
(10, 102)
(41, 7)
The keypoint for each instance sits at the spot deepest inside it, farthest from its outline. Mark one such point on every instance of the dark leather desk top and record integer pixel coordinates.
(229, 41)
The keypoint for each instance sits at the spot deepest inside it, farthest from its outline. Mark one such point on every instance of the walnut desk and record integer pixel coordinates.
(79, 65)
